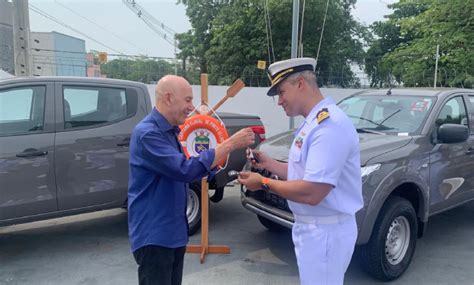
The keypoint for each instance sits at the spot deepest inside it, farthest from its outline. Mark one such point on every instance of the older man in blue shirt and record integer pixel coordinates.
(158, 183)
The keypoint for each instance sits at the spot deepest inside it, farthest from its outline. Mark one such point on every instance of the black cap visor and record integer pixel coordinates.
(280, 76)
(274, 88)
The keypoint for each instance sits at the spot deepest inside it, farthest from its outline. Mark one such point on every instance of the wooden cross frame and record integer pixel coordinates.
(204, 248)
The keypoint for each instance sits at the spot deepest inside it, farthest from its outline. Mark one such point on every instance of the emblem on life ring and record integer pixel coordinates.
(200, 133)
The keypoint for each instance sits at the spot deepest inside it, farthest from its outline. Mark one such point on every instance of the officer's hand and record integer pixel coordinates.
(242, 138)
(262, 160)
(252, 180)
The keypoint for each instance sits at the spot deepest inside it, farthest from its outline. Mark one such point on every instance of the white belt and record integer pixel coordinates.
(322, 220)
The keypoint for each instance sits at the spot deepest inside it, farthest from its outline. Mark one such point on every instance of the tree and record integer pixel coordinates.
(200, 14)
(234, 34)
(448, 24)
(187, 51)
(237, 42)
(142, 70)
(389, 37)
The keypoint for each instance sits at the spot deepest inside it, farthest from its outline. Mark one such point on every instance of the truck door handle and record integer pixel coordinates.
(470, 151)
(125, 142)
(31, 152)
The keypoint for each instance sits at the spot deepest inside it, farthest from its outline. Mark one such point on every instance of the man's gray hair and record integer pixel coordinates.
(307, 75)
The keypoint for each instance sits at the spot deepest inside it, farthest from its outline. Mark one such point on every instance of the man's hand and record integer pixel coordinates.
(261, 161)
(242, 138)
(252, 180)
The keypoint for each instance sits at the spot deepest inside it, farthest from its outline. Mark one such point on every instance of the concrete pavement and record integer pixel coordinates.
(93, 249)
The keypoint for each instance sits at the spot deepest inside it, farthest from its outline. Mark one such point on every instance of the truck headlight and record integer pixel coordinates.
(366, 170)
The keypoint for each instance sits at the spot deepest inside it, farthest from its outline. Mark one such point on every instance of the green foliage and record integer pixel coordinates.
(231, 36)
(201, 15)
(407, 42)
(389, 37)
(142, 70)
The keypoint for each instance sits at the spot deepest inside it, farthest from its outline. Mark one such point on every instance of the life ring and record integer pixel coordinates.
(200, 133)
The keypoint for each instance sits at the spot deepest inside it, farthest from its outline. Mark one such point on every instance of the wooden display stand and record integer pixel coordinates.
(204, 248)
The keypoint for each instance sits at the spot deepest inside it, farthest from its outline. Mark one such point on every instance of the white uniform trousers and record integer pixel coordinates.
(324, 248)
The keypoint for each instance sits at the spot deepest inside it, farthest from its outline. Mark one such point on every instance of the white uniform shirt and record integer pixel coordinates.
(327, 152)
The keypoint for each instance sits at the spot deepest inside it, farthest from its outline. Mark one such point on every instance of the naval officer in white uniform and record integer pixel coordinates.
(323, 180)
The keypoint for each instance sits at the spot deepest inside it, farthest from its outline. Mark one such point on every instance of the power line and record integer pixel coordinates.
(322, 59)
(97, 25)
(46, 15)
(60, 64)
(109, 54)
(66, 58)
(157, 26)
(77, 59)
(168, 58)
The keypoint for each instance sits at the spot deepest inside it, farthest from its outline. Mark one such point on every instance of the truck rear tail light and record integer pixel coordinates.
(260, 131)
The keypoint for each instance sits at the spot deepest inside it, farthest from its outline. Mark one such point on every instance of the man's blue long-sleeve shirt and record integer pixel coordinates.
(157, 189)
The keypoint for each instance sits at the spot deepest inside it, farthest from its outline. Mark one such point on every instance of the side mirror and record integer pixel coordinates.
(452, 133)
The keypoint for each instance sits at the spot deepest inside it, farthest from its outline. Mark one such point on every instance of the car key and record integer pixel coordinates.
(251, 156)
(233, 174)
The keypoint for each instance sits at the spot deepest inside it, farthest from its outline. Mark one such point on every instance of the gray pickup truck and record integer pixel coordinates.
(417, 160)
(64, 147)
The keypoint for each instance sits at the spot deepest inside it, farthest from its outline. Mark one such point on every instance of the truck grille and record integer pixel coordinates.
(269, 198)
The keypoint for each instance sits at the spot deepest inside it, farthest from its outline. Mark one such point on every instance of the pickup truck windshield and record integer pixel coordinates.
(395, 115)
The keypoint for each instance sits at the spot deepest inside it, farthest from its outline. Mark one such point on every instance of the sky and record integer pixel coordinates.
(111, 23)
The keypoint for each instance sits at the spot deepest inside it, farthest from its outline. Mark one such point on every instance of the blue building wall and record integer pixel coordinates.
(70, 55)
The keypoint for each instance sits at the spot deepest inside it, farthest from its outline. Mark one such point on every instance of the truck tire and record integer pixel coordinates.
(271, 226)
(392, 244)
(193, 209)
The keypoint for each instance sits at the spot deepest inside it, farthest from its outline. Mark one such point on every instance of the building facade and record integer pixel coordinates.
(93, 69)
(52, 53)
(57, 54)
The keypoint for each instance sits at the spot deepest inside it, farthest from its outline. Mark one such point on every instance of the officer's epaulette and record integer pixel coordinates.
(322, 115)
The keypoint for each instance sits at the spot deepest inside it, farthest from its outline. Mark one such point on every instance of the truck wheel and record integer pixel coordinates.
(193, 209)
(391, 246)
(271, 226)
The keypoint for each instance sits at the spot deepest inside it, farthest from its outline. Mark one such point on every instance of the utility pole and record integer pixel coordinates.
(436, 67)
(294, 40)
(21, 38)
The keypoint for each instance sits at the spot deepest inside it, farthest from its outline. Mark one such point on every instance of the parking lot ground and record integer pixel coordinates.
(94, 249)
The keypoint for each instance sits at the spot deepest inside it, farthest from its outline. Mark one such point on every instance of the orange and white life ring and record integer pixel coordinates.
(200, 133)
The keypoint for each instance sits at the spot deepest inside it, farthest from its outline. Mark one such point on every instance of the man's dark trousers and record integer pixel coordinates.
(160, 265)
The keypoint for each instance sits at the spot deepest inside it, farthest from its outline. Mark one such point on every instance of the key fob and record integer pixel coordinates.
(233, 174)
(251, 156)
